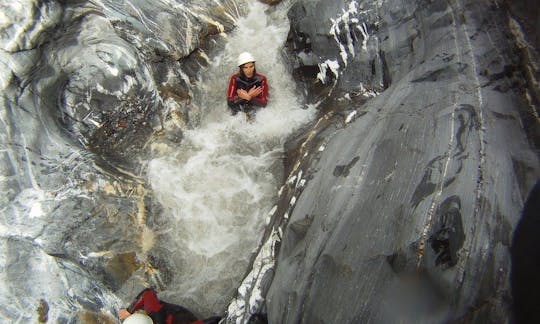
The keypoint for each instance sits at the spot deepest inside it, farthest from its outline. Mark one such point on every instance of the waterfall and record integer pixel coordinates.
(217, 187)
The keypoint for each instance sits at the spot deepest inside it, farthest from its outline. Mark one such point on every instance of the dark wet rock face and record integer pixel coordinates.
(409, 209)
(122, 135)
(528, 14)
(324, 35)
(343, 170)
(448, 237)
(526, 261)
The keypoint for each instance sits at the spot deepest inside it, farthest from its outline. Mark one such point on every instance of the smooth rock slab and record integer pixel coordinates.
(410, 209)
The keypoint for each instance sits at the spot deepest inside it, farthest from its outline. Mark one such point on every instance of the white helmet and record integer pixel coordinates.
(138, 318)
(244, 58)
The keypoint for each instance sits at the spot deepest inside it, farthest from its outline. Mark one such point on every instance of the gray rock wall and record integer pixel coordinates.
(410, 207)
(84, 87)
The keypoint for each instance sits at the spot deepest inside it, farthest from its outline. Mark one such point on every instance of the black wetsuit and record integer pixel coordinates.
(165, 313)
(238, 81)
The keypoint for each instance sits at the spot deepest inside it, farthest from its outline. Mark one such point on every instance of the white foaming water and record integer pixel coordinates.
(220, 184)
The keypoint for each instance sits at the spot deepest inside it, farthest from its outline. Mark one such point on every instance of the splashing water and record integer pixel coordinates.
(218, 187)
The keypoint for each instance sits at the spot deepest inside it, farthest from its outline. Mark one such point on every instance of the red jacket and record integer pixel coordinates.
(164, 313)
(238, 82)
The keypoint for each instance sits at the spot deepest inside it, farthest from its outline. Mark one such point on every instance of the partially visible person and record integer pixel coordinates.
(159, 311)
(248, 90)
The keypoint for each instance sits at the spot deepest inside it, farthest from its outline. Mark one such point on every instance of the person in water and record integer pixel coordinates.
(148, 309)
(248, 90)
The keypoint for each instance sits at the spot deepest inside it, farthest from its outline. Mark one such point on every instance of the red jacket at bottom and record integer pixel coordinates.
(165, 313)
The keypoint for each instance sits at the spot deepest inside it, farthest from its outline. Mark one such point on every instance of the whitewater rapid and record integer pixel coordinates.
(217, 187)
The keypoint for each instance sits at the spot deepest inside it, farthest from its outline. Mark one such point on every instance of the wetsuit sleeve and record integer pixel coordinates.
(262, 99)
(146, 300)
(231, 92)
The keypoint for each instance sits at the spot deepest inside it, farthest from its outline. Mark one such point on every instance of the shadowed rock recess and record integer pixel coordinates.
(418, 184)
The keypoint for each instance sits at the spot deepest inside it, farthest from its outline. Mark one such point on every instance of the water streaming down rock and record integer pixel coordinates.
(217, 188)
